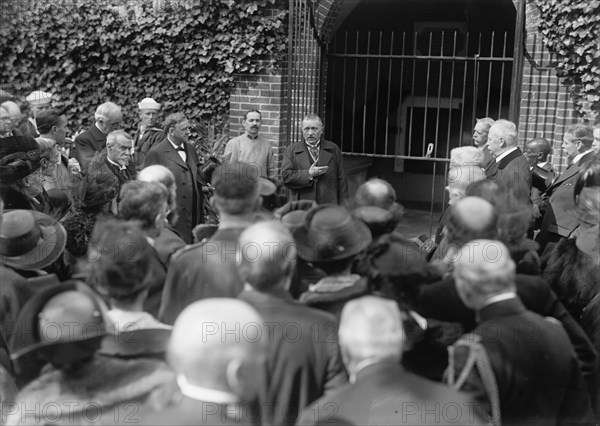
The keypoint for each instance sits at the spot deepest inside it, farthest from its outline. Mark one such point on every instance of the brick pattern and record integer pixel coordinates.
(266, 93)
(546, 106)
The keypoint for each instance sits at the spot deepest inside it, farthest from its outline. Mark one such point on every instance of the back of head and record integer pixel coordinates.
(119, 260)
(581, 132)
(145, 202)
(508, 131)
(471, 218)
(236, 187)
(47, 119)
(12, 108)
(371, 328)
(268, 255)
(218, 343)
(375, 193)
(96, 190)
(466, 156)
(108, 111)
(159, 174)
(483, 269)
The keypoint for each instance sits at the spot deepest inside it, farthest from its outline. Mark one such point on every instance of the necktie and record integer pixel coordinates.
(314, 152)
(182, 153)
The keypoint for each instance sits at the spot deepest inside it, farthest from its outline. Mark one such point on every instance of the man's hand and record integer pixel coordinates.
(315, 170)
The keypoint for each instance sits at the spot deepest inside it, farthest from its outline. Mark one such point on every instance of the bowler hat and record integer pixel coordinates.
(19, 157)
(30, 239)
(330, 233)
(63, 322)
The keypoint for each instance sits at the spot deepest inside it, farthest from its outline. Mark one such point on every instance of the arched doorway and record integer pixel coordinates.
(404, 74)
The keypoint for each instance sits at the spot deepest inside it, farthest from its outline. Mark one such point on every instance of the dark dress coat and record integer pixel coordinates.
(304, 360)
(167, 243)
(559, 217)
(511, 172)
(537, 372)
(189, 190)
(199, 271)
(441, 301)
(331, 187)
(88, 144)
(385, 394)
(150, 138)
(104, 166)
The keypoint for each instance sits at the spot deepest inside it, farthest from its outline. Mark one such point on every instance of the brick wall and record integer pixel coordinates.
(546, 107)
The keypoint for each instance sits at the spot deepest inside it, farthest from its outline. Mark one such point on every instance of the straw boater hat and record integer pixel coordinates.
(330, 233)
(30, 240)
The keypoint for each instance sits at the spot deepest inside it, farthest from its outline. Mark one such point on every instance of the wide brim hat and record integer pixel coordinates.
(26, 346)
(30, 239)
(331, 233)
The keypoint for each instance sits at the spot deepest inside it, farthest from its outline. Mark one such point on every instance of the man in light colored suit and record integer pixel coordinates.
(179, 156)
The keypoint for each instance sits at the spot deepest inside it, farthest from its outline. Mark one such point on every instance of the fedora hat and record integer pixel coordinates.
(30, 240)
(331, 233)
(61, 322)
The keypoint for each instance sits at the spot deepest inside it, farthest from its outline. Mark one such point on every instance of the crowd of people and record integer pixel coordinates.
(120, 305)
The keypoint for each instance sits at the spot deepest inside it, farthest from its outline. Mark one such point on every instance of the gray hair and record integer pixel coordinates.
(107, 110)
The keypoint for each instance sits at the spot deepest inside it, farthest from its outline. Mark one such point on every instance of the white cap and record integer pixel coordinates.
(39, 98)
(149, 103)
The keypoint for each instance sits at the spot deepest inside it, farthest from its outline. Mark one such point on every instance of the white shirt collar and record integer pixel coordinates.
(171, 142)
(116, 164)
(542, 164)
(499, 298)
(204, 394)
(579, 156)
(505, 153)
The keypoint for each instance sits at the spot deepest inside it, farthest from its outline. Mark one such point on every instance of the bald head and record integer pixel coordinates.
(472, 218)
(268, 255)
(14, 112)
(483, 269)
(216, 342)
(376, 193)
(370, 328)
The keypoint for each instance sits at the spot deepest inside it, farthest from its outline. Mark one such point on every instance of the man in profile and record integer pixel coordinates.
(108, 117)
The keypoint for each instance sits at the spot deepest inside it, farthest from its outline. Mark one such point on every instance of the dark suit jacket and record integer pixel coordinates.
(167, 243)
(536, 369)
(559, 217)
(385, 394)
(303, 364)
(199, 271)
(149, 139)
(331, 187)
(512, 172)
(189, 192)
(440, 301)
(123, 176)
(88, 144)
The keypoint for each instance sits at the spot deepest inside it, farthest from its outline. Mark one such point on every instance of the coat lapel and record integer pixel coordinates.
(303, 158)
(324, 154)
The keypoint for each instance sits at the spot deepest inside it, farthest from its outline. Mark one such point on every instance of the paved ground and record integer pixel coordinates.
(416, 222)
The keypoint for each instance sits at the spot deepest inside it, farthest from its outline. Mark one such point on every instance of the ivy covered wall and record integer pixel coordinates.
(185, 54)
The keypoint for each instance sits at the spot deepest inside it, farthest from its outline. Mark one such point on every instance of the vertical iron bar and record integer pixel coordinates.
(376, 121)
(412, 95)
(426, 95)
(290, 65)
(389, 95)
(502, 75)
(464, 92)
(476, 82)
(437, 132)
(517, 67)
(364, 127)
(343, 108)
(489, 88)
(354, 91)
(329, 102)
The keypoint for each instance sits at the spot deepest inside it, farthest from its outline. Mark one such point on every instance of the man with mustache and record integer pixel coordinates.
(251, 147)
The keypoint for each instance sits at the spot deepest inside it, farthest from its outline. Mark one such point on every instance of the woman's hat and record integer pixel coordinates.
(330, 233)
(30, 240)
(19, 157)
(64, 323)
